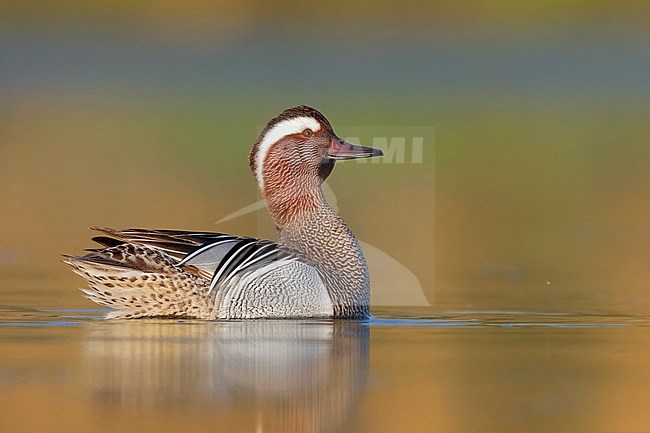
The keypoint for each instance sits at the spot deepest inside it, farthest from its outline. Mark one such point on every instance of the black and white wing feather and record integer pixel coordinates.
(217, 257)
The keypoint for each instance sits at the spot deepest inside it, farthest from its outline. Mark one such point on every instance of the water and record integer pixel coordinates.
(405, 370)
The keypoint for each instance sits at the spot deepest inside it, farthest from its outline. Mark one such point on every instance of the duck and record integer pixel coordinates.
(316, 269)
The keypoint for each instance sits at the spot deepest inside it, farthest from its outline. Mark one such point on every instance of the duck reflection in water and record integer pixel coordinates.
(288, 376)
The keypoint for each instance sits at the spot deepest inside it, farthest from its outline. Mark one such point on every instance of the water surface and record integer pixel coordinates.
(405, 370)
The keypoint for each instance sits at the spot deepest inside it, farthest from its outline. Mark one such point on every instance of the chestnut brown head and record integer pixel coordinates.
(299, 145)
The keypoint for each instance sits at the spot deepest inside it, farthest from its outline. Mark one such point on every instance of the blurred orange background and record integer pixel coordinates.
(532, 192)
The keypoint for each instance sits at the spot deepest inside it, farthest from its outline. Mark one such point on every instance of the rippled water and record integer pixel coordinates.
(405, 370)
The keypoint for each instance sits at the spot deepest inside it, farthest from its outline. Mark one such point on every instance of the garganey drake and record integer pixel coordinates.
(317, 268)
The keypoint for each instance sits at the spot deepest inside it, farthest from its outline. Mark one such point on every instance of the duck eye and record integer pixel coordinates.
(307, 133)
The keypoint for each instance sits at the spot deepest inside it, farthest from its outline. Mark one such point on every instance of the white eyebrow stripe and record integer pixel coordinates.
(279, 130)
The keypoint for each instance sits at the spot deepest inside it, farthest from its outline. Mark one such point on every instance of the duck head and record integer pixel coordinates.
(297, 150)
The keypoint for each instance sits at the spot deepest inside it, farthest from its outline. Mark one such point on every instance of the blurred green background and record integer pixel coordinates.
(532, 193)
